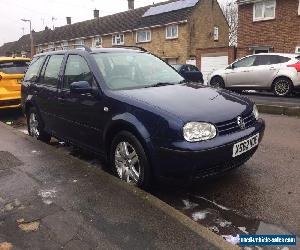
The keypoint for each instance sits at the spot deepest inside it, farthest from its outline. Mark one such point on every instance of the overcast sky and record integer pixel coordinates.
(53, 12)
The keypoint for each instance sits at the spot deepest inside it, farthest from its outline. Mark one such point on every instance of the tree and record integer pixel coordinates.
(230, 10)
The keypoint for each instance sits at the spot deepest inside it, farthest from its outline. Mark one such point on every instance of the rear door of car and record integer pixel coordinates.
(194, 74)
(265, 68)
(80, 115)
(46, 90)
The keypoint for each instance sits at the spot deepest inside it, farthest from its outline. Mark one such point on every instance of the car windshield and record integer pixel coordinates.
(135, 70)
(14, 67)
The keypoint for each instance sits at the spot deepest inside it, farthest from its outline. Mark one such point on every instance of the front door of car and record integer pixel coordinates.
(46, 89)
(239, 73)
(80, 113)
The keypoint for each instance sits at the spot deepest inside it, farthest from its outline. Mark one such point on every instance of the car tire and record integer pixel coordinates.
(129, 161)
(282, 86)
(217, 82)
(34, 125)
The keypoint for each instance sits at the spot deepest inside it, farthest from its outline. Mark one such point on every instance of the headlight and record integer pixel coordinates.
(199, 131)
(255, 112)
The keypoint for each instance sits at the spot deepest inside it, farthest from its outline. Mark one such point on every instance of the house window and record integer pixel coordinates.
(97, 41)
(143, 36)
(79, 43)
(172, 31)
(216, 33)
(118, 39)
(264, 10)
(65, 45)
(51, 46)
(259, 51)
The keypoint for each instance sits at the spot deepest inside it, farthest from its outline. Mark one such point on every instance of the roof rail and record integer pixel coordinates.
(132, 47)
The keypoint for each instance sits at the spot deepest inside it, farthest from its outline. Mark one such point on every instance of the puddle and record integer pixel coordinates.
(47, 195)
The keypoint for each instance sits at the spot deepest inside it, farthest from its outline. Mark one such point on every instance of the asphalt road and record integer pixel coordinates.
(263, 196)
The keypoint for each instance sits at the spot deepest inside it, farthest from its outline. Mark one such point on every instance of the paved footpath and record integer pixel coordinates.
(50, 200)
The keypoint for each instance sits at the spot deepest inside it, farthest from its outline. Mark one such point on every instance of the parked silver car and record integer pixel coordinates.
(279, 73)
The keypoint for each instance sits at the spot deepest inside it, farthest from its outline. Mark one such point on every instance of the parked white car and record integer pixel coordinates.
(279, 73)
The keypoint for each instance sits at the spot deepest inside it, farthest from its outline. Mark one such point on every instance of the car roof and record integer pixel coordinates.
(279, 54)
(95, 50)
(6, 58)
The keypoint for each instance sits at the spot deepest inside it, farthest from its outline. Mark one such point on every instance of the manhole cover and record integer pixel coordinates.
(8, 160)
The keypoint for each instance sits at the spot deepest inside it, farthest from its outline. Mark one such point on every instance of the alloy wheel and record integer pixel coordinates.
(127, 163)
(34, 125)
(282, 88)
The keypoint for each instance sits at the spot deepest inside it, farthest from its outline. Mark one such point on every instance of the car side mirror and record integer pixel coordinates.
(81, 87)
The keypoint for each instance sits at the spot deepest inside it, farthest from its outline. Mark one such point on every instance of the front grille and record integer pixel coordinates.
(221, 168)
(232, 126)
(10, 102)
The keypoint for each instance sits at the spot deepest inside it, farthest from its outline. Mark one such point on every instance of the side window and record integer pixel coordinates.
(193, 68)
(245, 62)
(283, 59)
(77, 70)
(263, 60)
(33, 69)
(51, 72)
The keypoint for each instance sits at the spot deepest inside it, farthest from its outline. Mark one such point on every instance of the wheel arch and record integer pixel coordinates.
(125, 123)
(281, 76)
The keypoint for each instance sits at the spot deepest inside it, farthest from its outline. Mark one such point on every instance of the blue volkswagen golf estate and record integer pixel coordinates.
(135, 110)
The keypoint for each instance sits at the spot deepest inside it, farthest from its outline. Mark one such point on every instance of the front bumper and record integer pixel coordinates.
(201, 160)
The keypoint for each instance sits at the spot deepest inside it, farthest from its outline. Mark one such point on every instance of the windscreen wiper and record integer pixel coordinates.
(159, 84)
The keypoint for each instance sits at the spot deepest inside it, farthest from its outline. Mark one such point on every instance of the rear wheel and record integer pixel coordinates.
(129, 161)
(217, 82)
(35, 126)
(282, 86)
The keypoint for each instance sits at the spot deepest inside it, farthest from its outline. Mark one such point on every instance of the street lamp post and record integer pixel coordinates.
(31, 37)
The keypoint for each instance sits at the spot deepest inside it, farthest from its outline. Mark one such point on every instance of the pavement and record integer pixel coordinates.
(51, 200)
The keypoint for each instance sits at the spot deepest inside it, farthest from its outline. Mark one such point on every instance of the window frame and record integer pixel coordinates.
(147, 40)
(244, 58)
(177, 33)
(94, 41)
(263, 18)
(44, 67)
(299, 8)
(65, 67)
(114, 37)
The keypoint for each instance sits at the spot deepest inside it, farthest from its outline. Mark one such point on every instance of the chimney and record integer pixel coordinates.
(69, 20)
(96, 13)
(130, 4)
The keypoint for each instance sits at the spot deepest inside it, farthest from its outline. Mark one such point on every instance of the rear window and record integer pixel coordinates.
(14, 67)
(298, 58)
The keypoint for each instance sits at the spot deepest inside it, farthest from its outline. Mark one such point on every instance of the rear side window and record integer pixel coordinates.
(193, 68)
(283, 59)
(33, 70)
(298, 58)
(14, 67)
(77, 70)
(51, 73)
(270, 59)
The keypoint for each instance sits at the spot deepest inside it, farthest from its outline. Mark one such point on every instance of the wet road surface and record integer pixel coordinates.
(263, 196)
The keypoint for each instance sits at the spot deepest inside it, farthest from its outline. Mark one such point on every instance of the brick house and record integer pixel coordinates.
(172, 30)
(268, 26)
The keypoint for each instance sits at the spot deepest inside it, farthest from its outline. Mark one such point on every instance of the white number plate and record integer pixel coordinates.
(244, 146)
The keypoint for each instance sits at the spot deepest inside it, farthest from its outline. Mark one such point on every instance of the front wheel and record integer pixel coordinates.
(282, 86)
(217, 82)
(129, 161)
(35, 127)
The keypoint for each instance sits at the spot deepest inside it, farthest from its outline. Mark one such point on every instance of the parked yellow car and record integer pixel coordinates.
(12, 71)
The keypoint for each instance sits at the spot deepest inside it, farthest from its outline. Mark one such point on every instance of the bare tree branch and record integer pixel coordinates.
(230, 10)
